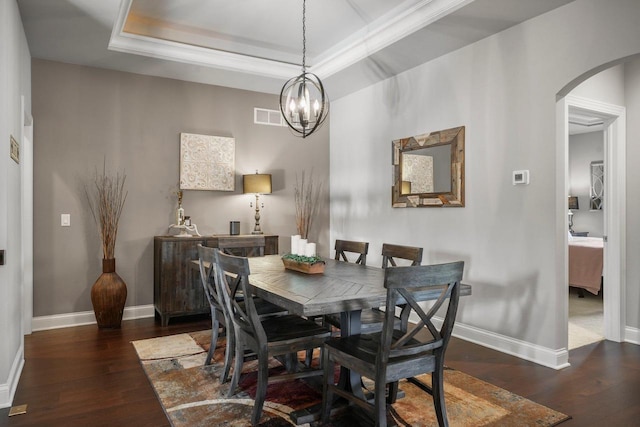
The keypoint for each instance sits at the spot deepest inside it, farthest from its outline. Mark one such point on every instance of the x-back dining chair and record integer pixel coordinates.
(268, 337)
(242, 245)
(219, 315)
(343, 247)
(218, 319)
(371, 320)
(393, 354)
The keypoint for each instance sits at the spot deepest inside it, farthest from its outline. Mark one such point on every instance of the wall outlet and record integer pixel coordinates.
(65, 220)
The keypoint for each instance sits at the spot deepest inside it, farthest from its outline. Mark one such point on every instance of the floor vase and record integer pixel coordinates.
(108, 296)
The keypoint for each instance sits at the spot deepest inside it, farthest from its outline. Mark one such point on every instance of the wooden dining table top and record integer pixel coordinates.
(343, 287)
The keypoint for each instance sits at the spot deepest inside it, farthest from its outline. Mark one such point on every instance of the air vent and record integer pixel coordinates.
(262, 116)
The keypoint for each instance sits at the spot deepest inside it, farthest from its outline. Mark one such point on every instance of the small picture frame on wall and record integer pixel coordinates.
(15, 150)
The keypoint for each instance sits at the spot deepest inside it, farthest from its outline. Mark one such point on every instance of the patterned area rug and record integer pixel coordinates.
(192, 395)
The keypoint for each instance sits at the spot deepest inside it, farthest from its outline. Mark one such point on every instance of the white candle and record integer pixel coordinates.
(295, 241)
(310, 250)
(302, 247)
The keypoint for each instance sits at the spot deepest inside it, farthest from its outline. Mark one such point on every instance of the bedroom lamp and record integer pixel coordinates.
(258, 183)
(573, 204)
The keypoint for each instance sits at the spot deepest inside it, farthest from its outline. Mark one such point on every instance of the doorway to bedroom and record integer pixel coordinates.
(586, 227)
(584, 101)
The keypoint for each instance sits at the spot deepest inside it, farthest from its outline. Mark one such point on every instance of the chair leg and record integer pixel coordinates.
(437, 385)
(380, 403)
(215, 325)
(393, 393)
(327, 394)
(228, 355)
(308, 357)
(237, 368)
(261, 390)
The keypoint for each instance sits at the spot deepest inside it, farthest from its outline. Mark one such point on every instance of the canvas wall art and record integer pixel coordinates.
(207, 162)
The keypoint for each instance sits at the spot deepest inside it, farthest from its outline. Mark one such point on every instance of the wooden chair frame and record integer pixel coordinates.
(218, 314)
(360, 248)
(267, 337)
(395, 354)
(242, 245)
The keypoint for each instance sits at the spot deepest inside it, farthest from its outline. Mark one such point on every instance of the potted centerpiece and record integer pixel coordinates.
(303, 263)
(106, 197)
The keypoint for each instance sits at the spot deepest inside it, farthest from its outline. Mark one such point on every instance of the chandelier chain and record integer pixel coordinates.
(304, 36)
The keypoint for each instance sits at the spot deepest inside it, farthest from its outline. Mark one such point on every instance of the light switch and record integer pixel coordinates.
(65, 220)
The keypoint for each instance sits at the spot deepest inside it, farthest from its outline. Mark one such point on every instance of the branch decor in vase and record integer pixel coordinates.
(106, 197)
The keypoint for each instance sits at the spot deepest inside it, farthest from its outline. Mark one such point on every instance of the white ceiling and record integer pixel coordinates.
(257, 45)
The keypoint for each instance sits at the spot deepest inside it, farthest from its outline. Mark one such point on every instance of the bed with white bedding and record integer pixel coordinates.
(585, 263)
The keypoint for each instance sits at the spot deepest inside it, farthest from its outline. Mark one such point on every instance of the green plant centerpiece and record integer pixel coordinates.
(303, 264)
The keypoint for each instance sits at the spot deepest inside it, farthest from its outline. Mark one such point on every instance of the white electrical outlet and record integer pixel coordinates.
(65, 220)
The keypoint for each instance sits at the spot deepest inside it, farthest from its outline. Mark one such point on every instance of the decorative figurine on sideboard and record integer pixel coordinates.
(183, 223)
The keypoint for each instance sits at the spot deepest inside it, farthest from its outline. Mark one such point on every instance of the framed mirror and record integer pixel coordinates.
(597, 185)
(428, 170)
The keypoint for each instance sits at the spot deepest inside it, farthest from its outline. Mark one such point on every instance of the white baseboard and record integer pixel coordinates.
(43, 323)
(632, 335)
(8, 390)
(556, 359)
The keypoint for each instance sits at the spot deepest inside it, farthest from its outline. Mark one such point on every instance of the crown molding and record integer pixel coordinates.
(390, 28)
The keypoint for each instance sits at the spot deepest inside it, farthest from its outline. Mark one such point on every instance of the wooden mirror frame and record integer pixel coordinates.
(454, 198)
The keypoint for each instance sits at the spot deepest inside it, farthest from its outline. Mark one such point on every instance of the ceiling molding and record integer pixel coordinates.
(385, 31)
(388, 29)
(122, 41)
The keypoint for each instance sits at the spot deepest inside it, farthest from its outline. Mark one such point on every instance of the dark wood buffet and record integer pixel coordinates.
(177, 290)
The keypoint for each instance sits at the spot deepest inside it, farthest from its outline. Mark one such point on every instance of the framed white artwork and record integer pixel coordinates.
(207, 162)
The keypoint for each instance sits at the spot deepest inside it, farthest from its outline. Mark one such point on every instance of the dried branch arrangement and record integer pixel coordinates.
(307, 200)
(106, 199)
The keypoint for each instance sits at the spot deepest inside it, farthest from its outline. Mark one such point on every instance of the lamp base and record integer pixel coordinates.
(257, 232)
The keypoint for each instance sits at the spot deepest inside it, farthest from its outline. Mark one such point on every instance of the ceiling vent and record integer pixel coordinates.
(262, 116)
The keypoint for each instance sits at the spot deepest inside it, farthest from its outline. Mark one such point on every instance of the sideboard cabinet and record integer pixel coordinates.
(177, 290)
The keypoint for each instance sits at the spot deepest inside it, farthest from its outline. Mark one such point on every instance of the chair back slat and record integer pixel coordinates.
(391, 253)
(242, 245)
(207, 275)
(404, 285)
(360, 248)
(233, 280)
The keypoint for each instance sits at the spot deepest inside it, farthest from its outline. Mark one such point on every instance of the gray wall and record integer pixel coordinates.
(85, 115)
(584, 149)
(15, 83)
(503, 89)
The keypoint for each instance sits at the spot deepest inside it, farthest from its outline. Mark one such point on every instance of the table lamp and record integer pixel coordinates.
(258, 183)
(573, 204)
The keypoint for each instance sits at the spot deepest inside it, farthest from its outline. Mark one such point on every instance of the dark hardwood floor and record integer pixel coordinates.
(86, 377)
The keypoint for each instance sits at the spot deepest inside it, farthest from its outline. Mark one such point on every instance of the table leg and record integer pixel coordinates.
(350, 380)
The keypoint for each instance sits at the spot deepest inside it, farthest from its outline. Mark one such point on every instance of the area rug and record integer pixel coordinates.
(191, 393)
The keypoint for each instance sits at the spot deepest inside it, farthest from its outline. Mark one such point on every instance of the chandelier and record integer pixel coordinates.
(303, 102)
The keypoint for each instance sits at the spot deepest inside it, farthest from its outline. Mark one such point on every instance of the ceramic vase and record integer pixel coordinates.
(108, 296)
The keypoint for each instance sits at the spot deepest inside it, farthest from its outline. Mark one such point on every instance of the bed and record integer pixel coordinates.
(585, 263)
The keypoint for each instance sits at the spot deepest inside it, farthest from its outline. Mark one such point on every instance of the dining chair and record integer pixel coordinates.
(371, 320)
(218, 319)
(394, 354)
(268, 337)
(342, 247)
(242, 245)
(219, 315)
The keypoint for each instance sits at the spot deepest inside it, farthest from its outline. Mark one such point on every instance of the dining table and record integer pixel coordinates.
(343, 287)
